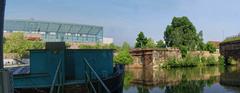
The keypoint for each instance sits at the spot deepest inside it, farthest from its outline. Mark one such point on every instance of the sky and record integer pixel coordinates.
(124, 19)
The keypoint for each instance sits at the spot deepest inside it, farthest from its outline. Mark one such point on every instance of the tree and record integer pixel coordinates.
(150, 43)
(123, 57)
(200, 44)
(182, 32)
(16, 43)
(141, 41)
(160, 44)
(210, 47)
(125, 46)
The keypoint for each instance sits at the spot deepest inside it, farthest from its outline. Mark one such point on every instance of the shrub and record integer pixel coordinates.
(221, 60)
(123, 57)
(211, 61)
(191, 61)
(184, 51)
(210, 47)
(231, 61)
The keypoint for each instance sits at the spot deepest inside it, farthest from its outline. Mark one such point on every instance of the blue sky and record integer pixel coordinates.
(124, 19)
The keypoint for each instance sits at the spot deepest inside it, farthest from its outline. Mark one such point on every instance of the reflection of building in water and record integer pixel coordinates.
(231, 77)
(150, 77)
(152, 57)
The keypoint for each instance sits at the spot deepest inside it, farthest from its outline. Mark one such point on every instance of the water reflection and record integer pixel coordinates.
(231, 77)
(180, 80)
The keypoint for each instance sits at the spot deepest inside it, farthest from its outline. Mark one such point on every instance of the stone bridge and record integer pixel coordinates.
(230, 49)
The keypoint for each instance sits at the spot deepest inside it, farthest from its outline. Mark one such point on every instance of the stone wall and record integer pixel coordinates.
(152, 57)
(160, 56)
(205, 54)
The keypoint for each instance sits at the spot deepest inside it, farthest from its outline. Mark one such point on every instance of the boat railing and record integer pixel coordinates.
(57, 75)
(89, 78)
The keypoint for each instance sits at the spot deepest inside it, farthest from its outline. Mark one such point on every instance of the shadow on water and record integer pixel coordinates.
(182, 80)
(230, 77)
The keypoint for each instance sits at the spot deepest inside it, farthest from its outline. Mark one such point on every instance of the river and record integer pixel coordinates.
(213, 79)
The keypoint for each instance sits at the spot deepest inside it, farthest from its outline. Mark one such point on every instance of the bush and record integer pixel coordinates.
(191, 61)
(16, 43)
(221, 60)
(184, 51)
(210, 47)
(231, 61)
(123, 57)
(211, 61)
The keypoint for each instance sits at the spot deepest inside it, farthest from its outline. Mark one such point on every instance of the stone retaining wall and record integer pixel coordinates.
(152, 57)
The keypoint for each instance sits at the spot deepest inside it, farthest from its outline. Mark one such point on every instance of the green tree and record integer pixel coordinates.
(141, 41)
(16, 43)
(183, 50)
(125, 46)
(150, 43)
(200, 44)
(113, 46)
(160, 44)
(123, 57)
(182, 32)
(210, 47)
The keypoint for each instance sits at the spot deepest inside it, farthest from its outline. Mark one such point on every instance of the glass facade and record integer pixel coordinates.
(52, 31)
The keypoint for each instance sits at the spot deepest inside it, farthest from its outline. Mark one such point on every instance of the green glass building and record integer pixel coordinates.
(56, 32)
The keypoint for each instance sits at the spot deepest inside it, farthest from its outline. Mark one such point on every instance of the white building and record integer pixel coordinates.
(107, 40)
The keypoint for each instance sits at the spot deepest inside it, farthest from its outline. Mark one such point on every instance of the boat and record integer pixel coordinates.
(56, 69)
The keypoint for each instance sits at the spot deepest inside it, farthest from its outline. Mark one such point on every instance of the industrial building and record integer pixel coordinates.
(55, 31)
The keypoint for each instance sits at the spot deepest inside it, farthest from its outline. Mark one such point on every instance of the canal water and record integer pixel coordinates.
(213, 79)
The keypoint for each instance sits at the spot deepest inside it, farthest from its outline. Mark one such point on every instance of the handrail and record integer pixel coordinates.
(95, 73)
(55, 76)
(88, 78)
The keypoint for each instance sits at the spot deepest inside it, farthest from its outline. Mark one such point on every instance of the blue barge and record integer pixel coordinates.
(60, 70)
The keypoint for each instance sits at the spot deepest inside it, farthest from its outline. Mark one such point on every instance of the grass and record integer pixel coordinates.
(192, 61)
(230, 39)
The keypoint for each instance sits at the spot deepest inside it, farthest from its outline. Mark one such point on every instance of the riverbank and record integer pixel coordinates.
(194, 61)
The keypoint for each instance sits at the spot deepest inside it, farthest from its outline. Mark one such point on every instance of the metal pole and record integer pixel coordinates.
(2, 10)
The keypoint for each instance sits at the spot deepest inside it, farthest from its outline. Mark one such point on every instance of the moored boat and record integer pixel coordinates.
(60, 70)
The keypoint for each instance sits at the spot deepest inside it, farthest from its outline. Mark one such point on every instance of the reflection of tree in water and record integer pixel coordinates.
(128, 77)
(143, 90)
(231, 77)
(177, 80)
(188, 86)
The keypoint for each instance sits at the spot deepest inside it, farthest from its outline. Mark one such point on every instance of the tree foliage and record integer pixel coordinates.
(210, 47)
(125, 46)
(182, 32)
(150, 43)
(16, 43)
(141, 41)
(123, 57)
(160, 44)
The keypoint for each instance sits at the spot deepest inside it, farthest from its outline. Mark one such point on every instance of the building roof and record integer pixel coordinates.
(44, 26)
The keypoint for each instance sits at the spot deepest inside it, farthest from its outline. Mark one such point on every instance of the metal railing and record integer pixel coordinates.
(89, 70)
(57, 75)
